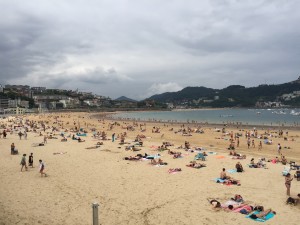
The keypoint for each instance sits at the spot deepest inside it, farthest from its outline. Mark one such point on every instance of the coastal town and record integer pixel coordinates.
(22, 99)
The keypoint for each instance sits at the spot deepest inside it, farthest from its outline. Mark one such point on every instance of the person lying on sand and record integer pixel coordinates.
(133, 158)
(234, 206)
(262, 214)
(215, 204)
(64, 139)
(80, 140)
(93, 147)
(232, 181)
(196, 165)
(293, 201)
(174, 170)
(158, 162)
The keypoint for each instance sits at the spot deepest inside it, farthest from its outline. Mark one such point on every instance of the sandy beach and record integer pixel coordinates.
(136, 192)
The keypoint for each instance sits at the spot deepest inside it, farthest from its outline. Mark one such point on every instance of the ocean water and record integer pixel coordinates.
(272, 117)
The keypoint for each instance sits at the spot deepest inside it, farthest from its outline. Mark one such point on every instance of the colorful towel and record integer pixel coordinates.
(247, 207)
(267, 217)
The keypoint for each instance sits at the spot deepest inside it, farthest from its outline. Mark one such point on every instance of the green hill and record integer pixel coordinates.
(233, 96)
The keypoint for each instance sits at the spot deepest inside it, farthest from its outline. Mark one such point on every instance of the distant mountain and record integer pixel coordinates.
(233, 96)
(123, 98)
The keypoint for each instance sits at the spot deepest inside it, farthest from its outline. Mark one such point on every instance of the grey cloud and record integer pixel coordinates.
(67, 44)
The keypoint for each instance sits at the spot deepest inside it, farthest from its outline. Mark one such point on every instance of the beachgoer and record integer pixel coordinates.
(42, 168)
(23, 162)
(223, 175)
(279, 148)
(113, 137)
(261, 214)
(215, 204)
(30, 160)
(293, 201)
(20, 135)
(12, 148)
(260, 145)
(288, 181)
(239, 167)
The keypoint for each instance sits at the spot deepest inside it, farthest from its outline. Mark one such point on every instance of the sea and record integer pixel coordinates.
(266, 117)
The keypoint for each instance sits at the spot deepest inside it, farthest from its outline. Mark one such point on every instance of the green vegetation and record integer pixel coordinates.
(232, 96)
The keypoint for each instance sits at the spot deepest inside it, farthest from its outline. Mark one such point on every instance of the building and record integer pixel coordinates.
(3, 102)
(37, 90)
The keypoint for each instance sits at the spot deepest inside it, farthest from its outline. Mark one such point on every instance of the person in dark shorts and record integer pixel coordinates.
(30, 160)
(261, 214)
(42, 168)
(23, 162)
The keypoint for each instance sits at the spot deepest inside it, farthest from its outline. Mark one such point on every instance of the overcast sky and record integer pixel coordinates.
(139, 48)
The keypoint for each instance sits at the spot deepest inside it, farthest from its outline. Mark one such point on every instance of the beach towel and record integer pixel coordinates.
(246, 207)
(212, 153)
(219, 156)
(153, 157)
(231, 171)
(219, 180)
(267, 217)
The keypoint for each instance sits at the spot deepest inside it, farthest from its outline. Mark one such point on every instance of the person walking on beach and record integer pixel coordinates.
(30, 160)
(42, 168)
(23, 162)
(253, 144)
(259, 146)
(20, 135)
(279, 149)
(248, 143)
(288, 182)
(113, 137)
(4, 134)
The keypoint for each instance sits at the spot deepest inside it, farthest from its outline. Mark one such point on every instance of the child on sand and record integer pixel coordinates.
(42, 168)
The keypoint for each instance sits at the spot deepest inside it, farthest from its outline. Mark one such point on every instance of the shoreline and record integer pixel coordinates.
(236, 125)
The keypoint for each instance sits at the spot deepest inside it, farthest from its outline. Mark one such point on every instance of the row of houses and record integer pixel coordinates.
(52, 99)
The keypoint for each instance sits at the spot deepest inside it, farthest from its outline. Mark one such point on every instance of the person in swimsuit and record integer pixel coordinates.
(288, 181)
(42, 168)
(262, 214)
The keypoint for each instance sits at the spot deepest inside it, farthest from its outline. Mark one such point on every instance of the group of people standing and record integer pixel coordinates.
(23, 164)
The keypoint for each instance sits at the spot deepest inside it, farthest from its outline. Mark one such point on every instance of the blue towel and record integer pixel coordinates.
(219, 180)
(267, 217)
(231, 171)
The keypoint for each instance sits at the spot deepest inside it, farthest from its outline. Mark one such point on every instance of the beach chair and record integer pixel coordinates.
(200, 156)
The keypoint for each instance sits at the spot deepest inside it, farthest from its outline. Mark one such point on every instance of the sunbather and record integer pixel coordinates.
(262, 214)
(239, 167)
(293, 201)
(223, 175)
(193, 164)
(215, 204)
(174, 170)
